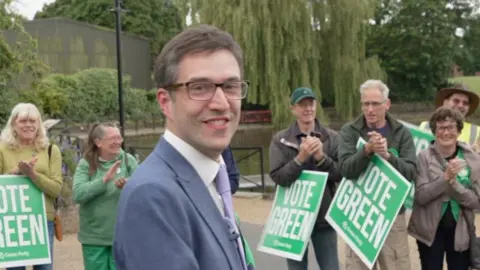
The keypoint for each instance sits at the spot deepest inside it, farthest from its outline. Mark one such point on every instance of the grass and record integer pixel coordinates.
(472, 82)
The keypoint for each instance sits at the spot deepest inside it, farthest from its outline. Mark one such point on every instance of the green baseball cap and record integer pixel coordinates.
(301, 93)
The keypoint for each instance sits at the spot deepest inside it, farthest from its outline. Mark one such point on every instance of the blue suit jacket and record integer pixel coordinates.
(168, 220)
(233, 172)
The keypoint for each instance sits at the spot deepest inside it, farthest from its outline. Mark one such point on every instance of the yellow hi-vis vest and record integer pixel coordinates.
(469, 132)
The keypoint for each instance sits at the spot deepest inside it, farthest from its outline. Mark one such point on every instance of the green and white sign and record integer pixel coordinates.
(23, 223)
(293, 215)
(363, 210)
(421, 139)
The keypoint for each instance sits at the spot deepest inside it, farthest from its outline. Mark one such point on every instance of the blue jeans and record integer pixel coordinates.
(51, 232)
(324, 241)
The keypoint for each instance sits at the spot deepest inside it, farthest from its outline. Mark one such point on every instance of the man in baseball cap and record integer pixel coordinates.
(301, 93)
(308, 145)
(459, 97)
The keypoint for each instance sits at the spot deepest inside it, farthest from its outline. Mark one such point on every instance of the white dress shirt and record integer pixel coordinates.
(205, 167)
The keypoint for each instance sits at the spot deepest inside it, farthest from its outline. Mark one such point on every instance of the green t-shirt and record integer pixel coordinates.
(463, 177)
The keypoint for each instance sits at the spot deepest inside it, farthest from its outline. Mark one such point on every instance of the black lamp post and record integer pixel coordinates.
(118, 9)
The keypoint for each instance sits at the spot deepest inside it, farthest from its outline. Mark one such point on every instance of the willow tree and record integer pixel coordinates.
(279, 44)
(342, 28)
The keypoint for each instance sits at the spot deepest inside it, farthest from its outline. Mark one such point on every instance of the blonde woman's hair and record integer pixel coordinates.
(23, 110)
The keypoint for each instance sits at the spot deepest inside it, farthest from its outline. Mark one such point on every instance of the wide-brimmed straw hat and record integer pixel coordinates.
(458, 88)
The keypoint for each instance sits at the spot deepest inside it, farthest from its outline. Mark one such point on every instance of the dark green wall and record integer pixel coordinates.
(68, 46)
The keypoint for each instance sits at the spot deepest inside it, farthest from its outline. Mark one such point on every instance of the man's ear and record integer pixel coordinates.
(165, 101)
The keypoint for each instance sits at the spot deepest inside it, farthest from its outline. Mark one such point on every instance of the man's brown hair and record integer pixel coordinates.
(196, 39)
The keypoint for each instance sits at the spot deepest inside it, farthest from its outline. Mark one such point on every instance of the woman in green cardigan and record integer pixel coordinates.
(97, 183)
(24, 150)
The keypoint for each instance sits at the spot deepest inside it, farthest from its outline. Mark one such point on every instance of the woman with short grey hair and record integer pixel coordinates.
(447, 191)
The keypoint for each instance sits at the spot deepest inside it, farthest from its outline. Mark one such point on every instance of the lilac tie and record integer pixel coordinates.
(223, 188)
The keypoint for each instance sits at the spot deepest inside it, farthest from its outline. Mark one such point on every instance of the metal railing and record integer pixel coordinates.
(254, 150)
(134, 150)
(141, 153)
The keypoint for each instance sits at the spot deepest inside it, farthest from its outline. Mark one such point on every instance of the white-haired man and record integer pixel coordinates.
(391, 140)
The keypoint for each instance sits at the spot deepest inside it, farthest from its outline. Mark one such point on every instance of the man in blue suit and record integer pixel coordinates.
(171, 213)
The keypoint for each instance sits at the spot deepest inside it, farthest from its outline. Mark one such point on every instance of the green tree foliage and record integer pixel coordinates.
(17, 62)
(90, 95)
(468, 56)
(343, 30)
(416, 43)
(278, 43)
(284, 50)
(157, 20)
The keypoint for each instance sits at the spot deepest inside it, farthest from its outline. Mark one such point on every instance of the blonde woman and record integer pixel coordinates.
(24, 150)
(97, 183)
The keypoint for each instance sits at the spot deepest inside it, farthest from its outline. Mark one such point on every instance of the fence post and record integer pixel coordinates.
(261, 170)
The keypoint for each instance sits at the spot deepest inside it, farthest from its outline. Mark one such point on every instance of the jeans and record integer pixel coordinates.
(324, 241)
(51, 232)
(431, 258)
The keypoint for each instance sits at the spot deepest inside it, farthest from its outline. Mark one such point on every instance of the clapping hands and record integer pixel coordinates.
(377, 144)
(310, 146)
(26, 168)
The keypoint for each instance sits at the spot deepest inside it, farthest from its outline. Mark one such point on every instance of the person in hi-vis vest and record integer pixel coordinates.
(461, 98)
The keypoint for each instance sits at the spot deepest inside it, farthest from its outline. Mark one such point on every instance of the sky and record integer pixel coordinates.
(28, 8)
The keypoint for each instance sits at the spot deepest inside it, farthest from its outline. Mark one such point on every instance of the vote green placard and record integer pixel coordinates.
(421, 139)
(293, 215)
(363, 210)
(23, 223)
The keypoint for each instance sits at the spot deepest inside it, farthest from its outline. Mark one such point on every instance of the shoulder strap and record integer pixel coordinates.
(55, 201)
(49, 152)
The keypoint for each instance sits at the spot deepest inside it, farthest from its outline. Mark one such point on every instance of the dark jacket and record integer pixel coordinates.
(233, 172)
(353, 162)
(284, 170)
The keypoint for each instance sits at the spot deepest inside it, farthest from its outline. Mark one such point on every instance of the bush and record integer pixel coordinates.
(87, 96)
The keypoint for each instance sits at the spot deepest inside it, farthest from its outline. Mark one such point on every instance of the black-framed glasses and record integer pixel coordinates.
(203, 91)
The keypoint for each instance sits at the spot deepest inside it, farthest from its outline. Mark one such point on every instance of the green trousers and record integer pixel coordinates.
(98, 257)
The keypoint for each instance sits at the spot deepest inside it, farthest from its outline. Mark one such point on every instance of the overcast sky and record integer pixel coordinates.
(28, 8)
